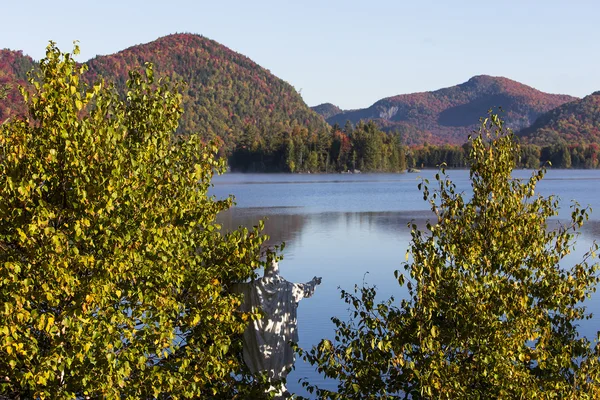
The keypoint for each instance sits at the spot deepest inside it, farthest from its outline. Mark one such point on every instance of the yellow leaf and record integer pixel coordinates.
(50, 322)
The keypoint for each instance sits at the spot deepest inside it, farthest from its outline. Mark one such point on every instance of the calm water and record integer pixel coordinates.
(351, 229)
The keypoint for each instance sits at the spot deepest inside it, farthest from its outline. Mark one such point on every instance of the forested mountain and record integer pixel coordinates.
(450, 114)
(327, 110)
(574, 122)
(264, 125)
(226, 94)
(13, 72)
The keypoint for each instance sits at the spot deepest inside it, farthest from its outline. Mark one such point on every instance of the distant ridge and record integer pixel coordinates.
(230, 97)
(450, 114)
(574, 122)
(327, 110)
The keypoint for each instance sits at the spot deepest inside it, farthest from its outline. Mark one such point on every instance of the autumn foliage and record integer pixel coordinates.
(114, 274)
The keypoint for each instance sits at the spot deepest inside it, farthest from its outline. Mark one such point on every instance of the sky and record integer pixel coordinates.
(349, 53)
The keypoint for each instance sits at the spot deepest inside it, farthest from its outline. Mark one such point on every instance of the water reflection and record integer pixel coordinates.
(348, 248)
(591, 230)
(285, 224)
(351, 229)
(281, 224)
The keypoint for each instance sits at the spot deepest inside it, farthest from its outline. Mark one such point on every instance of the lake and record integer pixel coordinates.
(350, 229)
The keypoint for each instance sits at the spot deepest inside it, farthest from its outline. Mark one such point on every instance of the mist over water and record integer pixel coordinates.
(350, 229)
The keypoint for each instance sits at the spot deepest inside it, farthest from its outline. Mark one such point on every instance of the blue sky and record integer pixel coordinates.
(350, 53)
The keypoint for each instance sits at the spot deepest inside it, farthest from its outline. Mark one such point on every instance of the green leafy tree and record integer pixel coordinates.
(312, 162)
(558, 155)
(491, 312)
(530, 156)
(4, 91)
(113, 272)
(290, 155)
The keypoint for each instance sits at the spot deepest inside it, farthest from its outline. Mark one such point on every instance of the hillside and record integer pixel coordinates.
(574, 122)
(225, 92)
(13, 72)
(327, 110)
(450, 114)
(265, 124)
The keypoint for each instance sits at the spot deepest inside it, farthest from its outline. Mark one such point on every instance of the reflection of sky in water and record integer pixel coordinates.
(340, 227)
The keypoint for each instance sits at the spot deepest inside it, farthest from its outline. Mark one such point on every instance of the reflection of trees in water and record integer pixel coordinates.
(281, 226)
(384, 221)
(285, 225)
(591, 229)
(389, 221)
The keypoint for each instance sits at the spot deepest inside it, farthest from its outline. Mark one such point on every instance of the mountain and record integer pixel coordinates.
(13, 72)
(327, 110)
(450, 114)
(574, 122)
(229, 96)
(225, 92)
